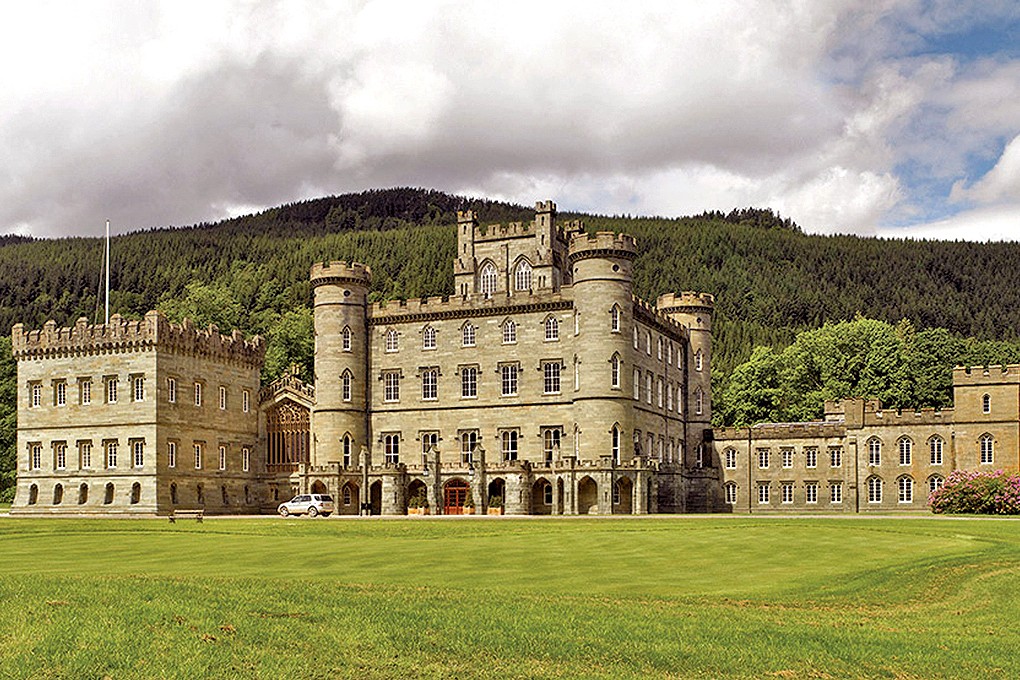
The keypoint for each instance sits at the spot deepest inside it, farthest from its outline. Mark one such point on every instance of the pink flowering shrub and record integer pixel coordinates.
(983, 493)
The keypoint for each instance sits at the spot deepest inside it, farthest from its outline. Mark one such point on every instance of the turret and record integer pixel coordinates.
(602, 270)
(464, 263)
(694, 311)
(341, 361)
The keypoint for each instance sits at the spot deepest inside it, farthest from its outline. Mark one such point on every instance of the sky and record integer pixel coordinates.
(896, 118)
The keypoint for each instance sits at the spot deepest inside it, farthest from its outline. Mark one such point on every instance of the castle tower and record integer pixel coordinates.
(694, 311)
(340, 415)
(602, 271)
(464, 264)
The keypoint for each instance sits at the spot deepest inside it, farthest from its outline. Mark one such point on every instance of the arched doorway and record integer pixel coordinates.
(33, 494)
(136, 493)
(623, 497)
(108, 498)
(497, 494)
(455, 492)
(541, 497)
(350, 499)
(587, 497)
(318, 487)
(83, 494)
(58, 494)
(417, 490)
(375, 498)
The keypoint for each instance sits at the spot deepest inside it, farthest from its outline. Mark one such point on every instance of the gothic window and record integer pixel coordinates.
(345, 339)
(698, 360)
(615, 371)
(430, 383)
(658, 349)
(905, 486)
(987, 446)
(699, 402)
(637, 384)
(428, 338)
(468, 335)
(245, 459)
(648, 343)
(874, 490)
(392, 341)
(874, 451)
(935, 482)
(468, 442)
(905, 447)
(635, 337)
(510, 438)
(345, 386)
(346, 450)
(935, 445)
(616, 443)
(730, 456)
(522, 277)
(223, 398)
(552, 329)
(487, 279)
(391, 443)
(509, 332)
(198, 394)
(731, 493)
(986, 403)
(648, 387)
(614, 316)
(551, 437)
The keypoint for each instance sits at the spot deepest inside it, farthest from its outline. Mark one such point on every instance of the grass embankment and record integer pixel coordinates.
(686, 597)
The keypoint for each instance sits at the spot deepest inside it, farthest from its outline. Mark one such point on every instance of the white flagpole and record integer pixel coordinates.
(107, 272)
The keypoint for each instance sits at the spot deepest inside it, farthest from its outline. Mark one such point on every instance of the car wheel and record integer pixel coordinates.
(284, 512)
(326, 514)
(312, 512)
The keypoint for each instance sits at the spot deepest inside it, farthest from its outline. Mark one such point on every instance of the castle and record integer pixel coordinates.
(542, 386)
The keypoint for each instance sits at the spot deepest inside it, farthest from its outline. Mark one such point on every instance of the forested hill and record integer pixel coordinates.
(770, 280)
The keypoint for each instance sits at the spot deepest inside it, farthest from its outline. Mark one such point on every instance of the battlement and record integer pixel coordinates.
(649, 313)
(986, 375)
(900, 417)
(545, 207)
(450, 306)
(757, 434)
(339, 271)
(685, 301)
(498, 232)
(465, 216)
(602, 244)
(121, 335)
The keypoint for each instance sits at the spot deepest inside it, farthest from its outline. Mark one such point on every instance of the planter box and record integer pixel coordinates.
(495, 511)
(468, 511)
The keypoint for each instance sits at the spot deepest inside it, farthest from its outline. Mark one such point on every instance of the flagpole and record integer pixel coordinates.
(107, 272)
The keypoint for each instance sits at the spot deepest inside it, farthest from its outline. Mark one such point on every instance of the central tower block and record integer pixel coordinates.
(340, 414)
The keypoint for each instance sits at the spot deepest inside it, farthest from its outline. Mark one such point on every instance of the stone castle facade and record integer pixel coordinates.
(542, 386)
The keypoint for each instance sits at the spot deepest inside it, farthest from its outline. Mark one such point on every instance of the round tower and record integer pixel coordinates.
(694, 312)
(340, 415)
(601, 267)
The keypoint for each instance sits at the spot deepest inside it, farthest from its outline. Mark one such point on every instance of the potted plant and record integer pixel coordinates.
(495, 505)
(414, 506)
(424, 508)
(469, 504)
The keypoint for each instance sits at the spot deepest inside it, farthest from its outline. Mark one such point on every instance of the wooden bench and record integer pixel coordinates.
(185, 514)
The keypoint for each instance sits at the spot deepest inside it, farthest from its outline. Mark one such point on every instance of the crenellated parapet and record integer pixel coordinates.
(779, 431)
(602, 244)
(687, 301)
(340, 272)
(122, 335)
(456, 307)
(655, 317)
(986, 375)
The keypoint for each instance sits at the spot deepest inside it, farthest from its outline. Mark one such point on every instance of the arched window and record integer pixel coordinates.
(935, 482)
(659, 349)
(614, 316)
(552, 329)
(699, 360)
(935, 446)
(648, 343)
(987, 445)
(699, 401)
(874, 490)
(487, 279)
(58, 494)
(392, 448)
(905, 447)
(509, 332)
(615, 371)
(615, 437)
(345, 385)
(874, 451)
(346, 493)
(136, 493)
(392, 341)
(428, 338)
(635, 337)
(345, 336)
(731, 493)
(83, 494)
(33, 494)
(905, 485)
(108, 498)
(346, 450)
(522, 276)
(468, 335)
(731, 459)
(986, 403)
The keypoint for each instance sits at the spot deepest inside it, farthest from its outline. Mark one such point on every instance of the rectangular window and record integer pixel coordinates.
(428, 440)
(637, 384)
(85, 391)
(648, 387)
(658, 392)
(138, 453)
(223, 398)
(811, 492)
(391, 386)
(787, 490)
(35, 456)
(468, 441)
(430, 383)
(509, 440)
(138, 388)
(763, 459)
(60, 456)
(111, 390)
(60, 393)
(763, 494)
(836, 492)
(171, 390)
(245, 459)
(835, 456)
(198, 456)
(171, 454)
(787, 458)
(35, 395)
(731, 459)
(669, 397)
(508, 374)
(469, 381)
(391, 444)
(198, 394)
(223, 457)
(111, 454)
(245, 401)
(731, 494)
(811, 457)
(85, 455)
(551, 372)
(550, 443)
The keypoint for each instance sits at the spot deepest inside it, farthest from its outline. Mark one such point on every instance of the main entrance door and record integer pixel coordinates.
(454, 494)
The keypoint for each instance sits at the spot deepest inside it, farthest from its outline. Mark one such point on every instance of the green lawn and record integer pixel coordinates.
(654, 597)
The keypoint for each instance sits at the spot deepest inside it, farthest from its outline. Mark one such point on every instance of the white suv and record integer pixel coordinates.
(311, 504)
